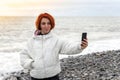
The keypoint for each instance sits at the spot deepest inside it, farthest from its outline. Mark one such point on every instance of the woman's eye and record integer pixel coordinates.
(43, 23)
(48, 23)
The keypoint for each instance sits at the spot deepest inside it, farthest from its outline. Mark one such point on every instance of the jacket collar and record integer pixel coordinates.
(43, 36)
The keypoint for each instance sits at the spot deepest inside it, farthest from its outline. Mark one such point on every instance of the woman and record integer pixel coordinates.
(41, 56)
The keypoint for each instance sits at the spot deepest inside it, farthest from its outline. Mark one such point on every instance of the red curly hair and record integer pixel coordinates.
(44, 15)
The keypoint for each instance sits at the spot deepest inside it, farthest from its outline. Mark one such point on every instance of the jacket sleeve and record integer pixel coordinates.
(25, 58)
(70, 48)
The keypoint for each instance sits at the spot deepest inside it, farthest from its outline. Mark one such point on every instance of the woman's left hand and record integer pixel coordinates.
(84, 44)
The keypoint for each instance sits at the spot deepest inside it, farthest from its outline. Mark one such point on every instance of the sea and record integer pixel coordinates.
(103, 33)
(16, 30)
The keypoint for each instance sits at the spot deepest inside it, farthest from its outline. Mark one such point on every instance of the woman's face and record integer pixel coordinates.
(45, 26)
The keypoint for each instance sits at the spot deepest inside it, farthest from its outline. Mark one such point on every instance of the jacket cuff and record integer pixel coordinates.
(28, 64)
(79, 47)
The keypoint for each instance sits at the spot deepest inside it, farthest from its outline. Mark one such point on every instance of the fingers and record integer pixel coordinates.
(84, 44)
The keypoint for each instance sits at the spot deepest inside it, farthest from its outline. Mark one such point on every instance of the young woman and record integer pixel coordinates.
(41, 56)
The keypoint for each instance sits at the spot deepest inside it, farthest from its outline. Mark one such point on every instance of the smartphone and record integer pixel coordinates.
(84, 36)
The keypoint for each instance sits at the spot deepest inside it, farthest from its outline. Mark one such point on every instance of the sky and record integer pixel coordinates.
(60, 7)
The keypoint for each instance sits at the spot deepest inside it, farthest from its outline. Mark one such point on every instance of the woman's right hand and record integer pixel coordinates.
(84, 44)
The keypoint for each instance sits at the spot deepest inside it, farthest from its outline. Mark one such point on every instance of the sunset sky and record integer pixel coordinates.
(60, 7)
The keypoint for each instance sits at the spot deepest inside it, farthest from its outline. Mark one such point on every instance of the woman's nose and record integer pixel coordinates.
(46, 25)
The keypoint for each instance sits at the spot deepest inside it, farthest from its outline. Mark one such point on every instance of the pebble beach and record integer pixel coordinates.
(95, 66)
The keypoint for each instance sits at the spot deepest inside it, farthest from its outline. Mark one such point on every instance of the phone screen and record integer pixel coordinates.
(84, 36)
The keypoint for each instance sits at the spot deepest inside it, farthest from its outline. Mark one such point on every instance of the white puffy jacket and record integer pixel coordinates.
(41, 55)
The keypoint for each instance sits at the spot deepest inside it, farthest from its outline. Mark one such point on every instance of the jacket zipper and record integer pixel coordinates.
(43, 56)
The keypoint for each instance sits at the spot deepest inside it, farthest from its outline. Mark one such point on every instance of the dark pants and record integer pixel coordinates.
(51, 78)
